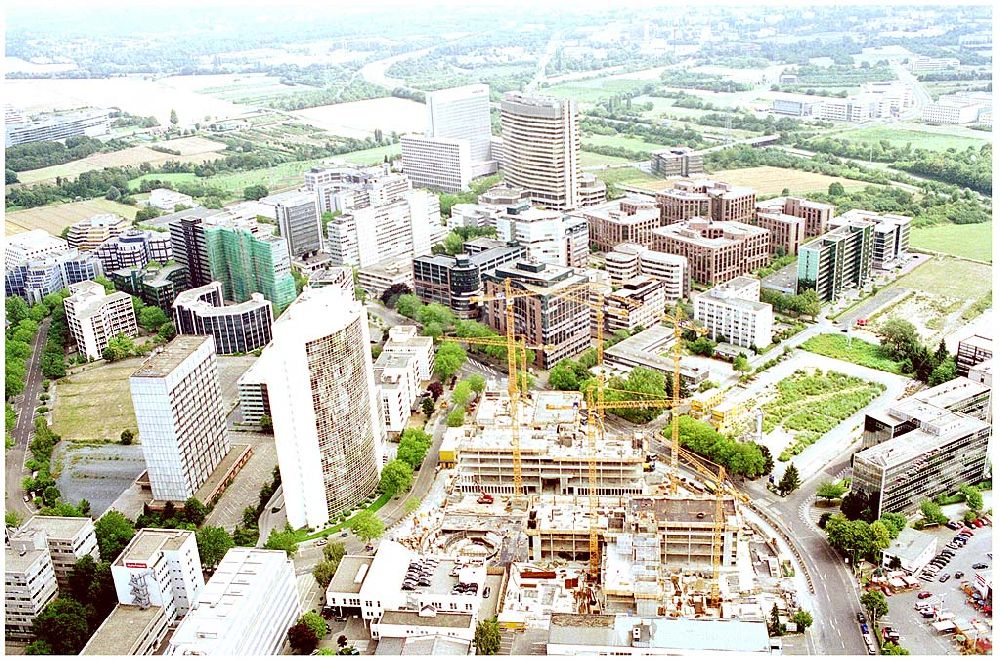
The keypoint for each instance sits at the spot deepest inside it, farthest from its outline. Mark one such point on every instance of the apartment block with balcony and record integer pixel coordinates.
(690, 198)
(36, 277)
(716, 251)
(404, 340)
(840, 259)
(638, 303)
(817, 216)
(732, 312)
(787, 231)
(95, 317)
(29, 584)
(398, 380)
(68, 539)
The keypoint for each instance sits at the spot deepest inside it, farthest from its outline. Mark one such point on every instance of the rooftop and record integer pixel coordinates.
(14, 562)
(427, 645)
(440, 619)
(535, 276)
(659, 633)
(58, 527)
(350, 574)
(682, 508)
(978, 341)
(164, 360)
(148, 544)
(125, 627)
(910, 545)
(908, 446)
(949, 393)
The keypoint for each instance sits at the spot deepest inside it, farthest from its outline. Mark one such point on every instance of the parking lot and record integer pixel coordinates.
(98, 474)
(916, 633)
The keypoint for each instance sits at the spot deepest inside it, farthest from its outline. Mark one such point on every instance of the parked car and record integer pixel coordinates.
(924, 594)
(977, 522)
(864, 628)
(861, 617)
(966, 532)
(927, 614)
(959, 575)
(321, 542)
(486, 592)
(944, 578)
(952, 525)
(980, 566)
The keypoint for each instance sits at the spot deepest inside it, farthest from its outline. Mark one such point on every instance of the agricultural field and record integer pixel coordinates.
(969, 241)
(56, 217)
(767, 180)
(370, 156)
(135, 94)
(809, 404)
(95, 404)
(249, 89)
(916, 134)
(855, 350)
(359, 119)
(193, 149)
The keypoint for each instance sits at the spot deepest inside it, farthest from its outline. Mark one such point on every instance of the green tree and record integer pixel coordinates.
(412, 504)
(802, 619)
(63, 626)
(81, 576)
(195, 511)
(898, 338)
(397, 477)
(315, 622)
(323, 572)
(113, 531)
(944, 372)
(409, 305)
(563, 377)
(449, 359)
(789, 480)
(38, 647)
(452, 243)
(741, 363)
(302, 638)
(456, 418)
(973, 498)
(367, 526)
(11, 519)
(127, 437)
(266, 425)
(213, 544)
(932, 512)
(413, 446)
(702, 346)
(436, 313)
(894, 523)
(152, 317)
(831, 491)
(173, 117)
(17, 310)
(462, 393)
(119, 347)
(427, 406)
(876, 603)
(853, 538)
(881, 538)
(836, 189)
(487, 637)
(774, 626)
(334, 552)
(255, 192)
(285, 539)
(889, 648)
(477, 382)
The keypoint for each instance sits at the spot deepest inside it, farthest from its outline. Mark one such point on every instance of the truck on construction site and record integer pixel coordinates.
(485, 498)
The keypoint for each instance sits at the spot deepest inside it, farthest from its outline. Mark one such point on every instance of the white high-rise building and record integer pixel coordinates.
(245, 609)
(29, 584)
(178, 408)
(732, 312)
(297, 215)
(549, 236)
(95, 317)
(159, 567)
(404, 340)
(324, 405)
(541, 149)
(462, 113)
(32, 245)
(437, 163)
(69, 539)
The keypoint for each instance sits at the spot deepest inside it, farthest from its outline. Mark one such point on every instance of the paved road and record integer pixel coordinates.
(22, 433)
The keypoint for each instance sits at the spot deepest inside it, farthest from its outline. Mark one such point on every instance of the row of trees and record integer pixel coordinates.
(747, 459)
(34, 155)
(800, 304)
(454, 242)
(900, 342)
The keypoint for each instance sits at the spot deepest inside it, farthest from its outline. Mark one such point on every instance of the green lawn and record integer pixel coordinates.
(625, 175)
(371, 156)
(859, 352)
(95, 404)
(635, 144)
(950, 277)
(591, 91)
(305, 535)
(970, 241)
(590, 159)
(899, 135)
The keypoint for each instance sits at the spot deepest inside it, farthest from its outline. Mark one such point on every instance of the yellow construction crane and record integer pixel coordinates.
(509, 297)
(677, 319)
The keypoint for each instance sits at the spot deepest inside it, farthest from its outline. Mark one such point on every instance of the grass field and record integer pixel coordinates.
(590, 159)
(95, 404)
(767, 180)
(971, 241)
(898, 135)
(635, 144)
(627, 175)
(947, 276)
(591, 91)
(360, 118)
(859, 352)
(56, 217)
(371, 156)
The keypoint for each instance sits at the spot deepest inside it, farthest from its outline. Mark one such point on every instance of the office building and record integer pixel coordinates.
(178, 408)
(335, 276)
(453, 280)
(29, 584)
(678, 161)
(651, 349)
(239, 328)
(924, 64)
(241, 254)
(406, 226)
(623, 635)
(134, 248)
(437, 163)
(462, 113)
(473, 215)
(591, 191)
(88, 234)
(541, 138)
(840, 259)
(910, 551)
(68, 540)
(155, 285)
(732, 313)
(817, 216)
(628, 220)
(381, 275)
(638, 303)
(973, 351)
(330, 443)
(548, 236)
(504, 195)
(952, 111)
(890, 237)
(168, 200)
(717, 200)
(347, 188)
(35, 278)
(787, 231)
(945, 450)
(716, 251)
(628, 261)
(543, 319)
(32, 245)
(161, 568)
(245, 609)
(129, 630)
(398, 381)
(796, 105)
(297, 217)
(95, 317)
(404, 340)
(56, 126)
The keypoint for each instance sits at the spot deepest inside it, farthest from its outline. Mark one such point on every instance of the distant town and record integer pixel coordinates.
(498, 331)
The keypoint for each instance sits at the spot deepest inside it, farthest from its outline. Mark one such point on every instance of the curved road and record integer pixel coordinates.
(25, 429)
